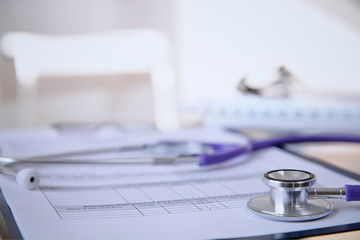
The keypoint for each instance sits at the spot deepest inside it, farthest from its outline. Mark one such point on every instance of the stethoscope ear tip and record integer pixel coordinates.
(28, 178)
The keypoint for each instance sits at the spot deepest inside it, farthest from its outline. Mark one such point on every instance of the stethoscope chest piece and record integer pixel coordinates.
(288, 200)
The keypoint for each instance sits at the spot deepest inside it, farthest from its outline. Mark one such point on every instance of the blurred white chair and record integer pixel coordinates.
(94, 54)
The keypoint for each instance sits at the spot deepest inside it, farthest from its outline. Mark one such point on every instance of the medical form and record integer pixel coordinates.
(180, 201)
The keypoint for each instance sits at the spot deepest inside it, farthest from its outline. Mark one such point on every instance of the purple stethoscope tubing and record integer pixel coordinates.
(352, 192)
(222, 155)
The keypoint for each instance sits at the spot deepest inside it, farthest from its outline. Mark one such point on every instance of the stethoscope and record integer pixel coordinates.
(292, 199)
(206, 154)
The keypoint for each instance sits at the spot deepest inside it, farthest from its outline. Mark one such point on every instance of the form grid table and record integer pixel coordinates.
(146, 200)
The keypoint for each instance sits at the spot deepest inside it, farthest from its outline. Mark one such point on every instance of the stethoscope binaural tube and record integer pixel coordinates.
(292, 199)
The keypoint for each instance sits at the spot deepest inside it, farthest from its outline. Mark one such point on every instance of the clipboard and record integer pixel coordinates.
(14, 231)
(9, 228)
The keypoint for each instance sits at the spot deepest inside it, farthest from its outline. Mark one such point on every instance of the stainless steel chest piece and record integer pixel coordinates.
(288, 198)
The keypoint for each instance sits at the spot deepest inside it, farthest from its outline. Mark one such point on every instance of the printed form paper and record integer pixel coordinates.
(143, 201)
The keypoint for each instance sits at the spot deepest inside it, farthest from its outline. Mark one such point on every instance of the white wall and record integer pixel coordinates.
(74, 16)
(220, 41)
(215, 42)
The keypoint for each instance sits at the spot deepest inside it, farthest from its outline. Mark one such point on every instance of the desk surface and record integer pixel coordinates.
(343, 155)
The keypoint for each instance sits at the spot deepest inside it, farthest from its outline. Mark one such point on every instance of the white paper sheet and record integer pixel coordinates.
(160, 202)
